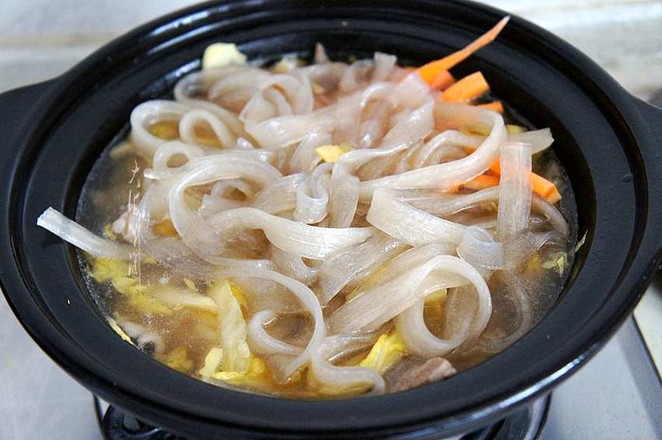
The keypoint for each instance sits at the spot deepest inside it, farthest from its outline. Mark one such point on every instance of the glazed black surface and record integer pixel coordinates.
(524, 424)
(608, 142)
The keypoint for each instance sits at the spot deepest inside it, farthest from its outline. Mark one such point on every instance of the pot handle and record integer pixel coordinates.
(651, 151)
(16, 107)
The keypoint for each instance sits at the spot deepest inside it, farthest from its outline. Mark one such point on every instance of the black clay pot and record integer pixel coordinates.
(609, 142)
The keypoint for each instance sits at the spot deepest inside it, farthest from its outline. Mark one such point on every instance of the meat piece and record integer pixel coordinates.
(431, 370)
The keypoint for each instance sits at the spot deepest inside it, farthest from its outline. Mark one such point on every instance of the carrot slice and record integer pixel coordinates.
(544, 188)
(495, 106)
(481, 182)
(442, 81)
(496, 167)
(431, 70)
(466, 89)
(541, 186)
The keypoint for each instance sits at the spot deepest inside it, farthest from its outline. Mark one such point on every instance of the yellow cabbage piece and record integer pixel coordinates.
(221, 55)
(387, 351)
(581, 242)
(117, 329)
(107, 269)
(515, 129)
(108, 232)
(236, 354)
(178, 359)
(558, 261)
(316, 387)
(190, 284)
(177, 298)
(212, 362)
(118, 273)
(331, 153)
(154, 299)
(255, 376)
(287, 63)
(241, 299)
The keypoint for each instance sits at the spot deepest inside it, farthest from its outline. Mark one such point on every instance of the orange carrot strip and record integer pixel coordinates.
(481, 182)
(466, 89)
(431, 70)
(495, 106)
(544, 188)
(443, 80)
(541, 186)
(496, 167)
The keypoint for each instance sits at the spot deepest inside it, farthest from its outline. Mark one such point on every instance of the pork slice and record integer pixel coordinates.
(432, 370)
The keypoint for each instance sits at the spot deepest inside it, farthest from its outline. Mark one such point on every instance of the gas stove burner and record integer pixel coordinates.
(525, 424)
(116, 424)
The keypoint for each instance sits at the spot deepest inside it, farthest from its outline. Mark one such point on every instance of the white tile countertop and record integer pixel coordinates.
(40, 39)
